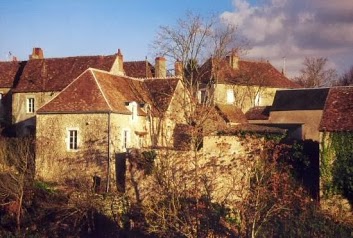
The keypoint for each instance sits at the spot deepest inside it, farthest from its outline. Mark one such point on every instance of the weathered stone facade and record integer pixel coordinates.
(91, 157)
(24, 119)
(245, 97)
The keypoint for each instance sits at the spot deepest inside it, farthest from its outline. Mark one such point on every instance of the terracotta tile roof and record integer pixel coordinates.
(9, 73)
(46, 75)
(338, 111)
(161, 91)
(248, 73)
(82, 95)
(300, 99)
(231, 114)
(258, 113)
(139, 69)
(100, 91)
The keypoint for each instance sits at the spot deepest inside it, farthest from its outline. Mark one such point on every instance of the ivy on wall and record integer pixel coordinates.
(337, 164)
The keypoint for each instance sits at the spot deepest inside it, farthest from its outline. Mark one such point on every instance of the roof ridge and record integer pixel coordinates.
(100, 88)
(123, 76)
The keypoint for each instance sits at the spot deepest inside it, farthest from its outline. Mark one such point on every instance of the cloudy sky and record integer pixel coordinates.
(295, 29)
(276, 29)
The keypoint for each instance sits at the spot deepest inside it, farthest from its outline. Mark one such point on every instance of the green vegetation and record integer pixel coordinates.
(337, 164)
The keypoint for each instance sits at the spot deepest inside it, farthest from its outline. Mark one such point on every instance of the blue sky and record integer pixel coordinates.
(293, 29)
(86, 27)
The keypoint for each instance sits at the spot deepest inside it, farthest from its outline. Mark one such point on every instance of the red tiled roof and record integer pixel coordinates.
(99, 91)
(338, 110)
(8, 73)
(139, 69)
(161, 91)
(258, 113)
(54, 74)
(46, 75)
(248, 73)
(231, 113)
(82, 95)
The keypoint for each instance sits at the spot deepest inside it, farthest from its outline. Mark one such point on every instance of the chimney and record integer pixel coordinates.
(118, 66)
(178, 68)
(160, 67)
(233, 60)
(37, 53)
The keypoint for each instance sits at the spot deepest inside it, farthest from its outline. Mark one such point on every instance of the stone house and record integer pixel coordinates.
(39, 79)
(241, 83)
(88, 126)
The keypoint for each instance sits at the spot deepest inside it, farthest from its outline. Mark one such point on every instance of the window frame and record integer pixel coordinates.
(126, 139)
(230, 96)
(72, 146)
(30, 105)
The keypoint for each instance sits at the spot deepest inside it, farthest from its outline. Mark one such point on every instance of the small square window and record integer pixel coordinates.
(30, 105)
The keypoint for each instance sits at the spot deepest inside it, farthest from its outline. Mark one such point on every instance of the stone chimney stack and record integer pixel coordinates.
(118, 66)
(178, 68)
(160, 67)
(233, 60)
(37, 53)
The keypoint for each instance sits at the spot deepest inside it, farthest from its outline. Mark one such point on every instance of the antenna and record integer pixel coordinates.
(284, 66)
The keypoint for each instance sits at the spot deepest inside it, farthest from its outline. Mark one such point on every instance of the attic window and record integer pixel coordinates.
(258, 100)
(133, 106)
(230, 96)
(30, 105)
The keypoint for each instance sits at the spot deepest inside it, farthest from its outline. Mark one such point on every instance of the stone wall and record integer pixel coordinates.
(245, 96)
(54, 162)
(19, 104)
(222, 169)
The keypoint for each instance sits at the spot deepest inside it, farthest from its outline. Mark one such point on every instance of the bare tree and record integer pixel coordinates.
(315, 73)
(16, 172)
(194, 39)
(347, 78)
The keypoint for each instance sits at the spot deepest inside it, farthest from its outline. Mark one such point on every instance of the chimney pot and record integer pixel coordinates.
(233, 60)
(178, 68)
(118, 66)
(160, 67)
(37, 53)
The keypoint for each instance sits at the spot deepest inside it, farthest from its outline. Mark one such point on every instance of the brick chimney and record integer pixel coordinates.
(233, 60)
(160, 67)
(178, 68)
(37, 53)
(118, 66)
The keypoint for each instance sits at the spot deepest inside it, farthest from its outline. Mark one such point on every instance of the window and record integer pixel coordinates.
(202, 96)
(30, 105)
(1, 95)
(258, 99)
(126, 138)
(73, 140)
(133, 108)
(230, 96)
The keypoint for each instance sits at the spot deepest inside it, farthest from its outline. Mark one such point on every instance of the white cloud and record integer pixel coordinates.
(295, 29)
